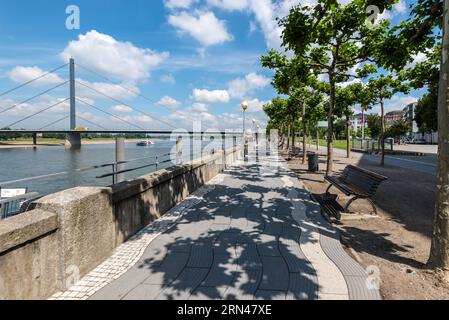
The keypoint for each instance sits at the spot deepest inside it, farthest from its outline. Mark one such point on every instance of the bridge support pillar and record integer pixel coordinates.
(34, 138)
(73, 140)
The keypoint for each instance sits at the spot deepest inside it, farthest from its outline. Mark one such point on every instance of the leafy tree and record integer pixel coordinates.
(382, 88)
(398, 129)
(375, 125)
(331, 39)
(292, 78)
(421, 32)
(426, 74)
(426, 115)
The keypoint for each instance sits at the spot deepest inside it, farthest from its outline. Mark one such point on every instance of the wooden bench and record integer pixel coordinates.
(355, 182)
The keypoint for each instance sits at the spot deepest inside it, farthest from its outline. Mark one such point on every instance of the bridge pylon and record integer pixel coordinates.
(73, 139)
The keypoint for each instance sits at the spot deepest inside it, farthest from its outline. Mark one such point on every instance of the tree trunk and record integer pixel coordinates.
(330, 129)
(317, 139)
(304, 136)
(293, 136)
(309, 136)
(348, 140)
(439, 255)
(288, 137)
(382, 132)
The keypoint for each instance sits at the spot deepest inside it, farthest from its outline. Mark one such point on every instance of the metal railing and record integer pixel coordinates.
(371, 145)
(16, 205)
(13, 206)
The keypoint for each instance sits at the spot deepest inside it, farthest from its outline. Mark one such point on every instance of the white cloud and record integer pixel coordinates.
(347, 83)
(211, 96)
(199, 107)
(178, 4)
(168, 78)
(255, 105)
(400, 7)
(185, 118)
(121, 108)
(238, 88)
(109, 57)
(398, 102)
(120, 92)
(168, 102)
(230, 5)
(22, 74)
(420, 57)
(202, 26)
(265, 12)
(252, 27)
(26, 109)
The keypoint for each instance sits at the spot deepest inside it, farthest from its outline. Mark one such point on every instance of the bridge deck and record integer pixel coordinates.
(252, 233)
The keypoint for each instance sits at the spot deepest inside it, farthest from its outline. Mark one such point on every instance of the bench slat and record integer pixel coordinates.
(357, 181)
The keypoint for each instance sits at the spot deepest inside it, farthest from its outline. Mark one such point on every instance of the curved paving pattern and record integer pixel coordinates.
(254, 234)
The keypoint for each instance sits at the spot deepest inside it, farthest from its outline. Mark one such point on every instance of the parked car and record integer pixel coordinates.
(419, 141)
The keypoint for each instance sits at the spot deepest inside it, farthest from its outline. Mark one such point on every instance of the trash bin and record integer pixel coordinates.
(313, 162)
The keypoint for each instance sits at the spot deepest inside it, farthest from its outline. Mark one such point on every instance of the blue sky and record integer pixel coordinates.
(190, 59)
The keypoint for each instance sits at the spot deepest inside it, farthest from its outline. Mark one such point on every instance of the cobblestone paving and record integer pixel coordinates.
(252, 233)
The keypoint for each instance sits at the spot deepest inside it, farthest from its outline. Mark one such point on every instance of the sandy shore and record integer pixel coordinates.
(14, 145)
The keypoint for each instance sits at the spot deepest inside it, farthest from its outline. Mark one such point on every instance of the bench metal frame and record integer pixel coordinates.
(356, 191)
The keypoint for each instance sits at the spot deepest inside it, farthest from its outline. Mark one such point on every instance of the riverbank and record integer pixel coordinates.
(398, 241)
(59, 143)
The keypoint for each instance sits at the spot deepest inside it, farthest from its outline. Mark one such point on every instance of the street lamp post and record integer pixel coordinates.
(255, 132)
(244, 107)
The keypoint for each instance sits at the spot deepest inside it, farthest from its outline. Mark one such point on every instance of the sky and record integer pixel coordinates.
(152, 64)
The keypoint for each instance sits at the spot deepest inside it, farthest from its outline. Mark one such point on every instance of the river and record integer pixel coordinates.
(22, 163)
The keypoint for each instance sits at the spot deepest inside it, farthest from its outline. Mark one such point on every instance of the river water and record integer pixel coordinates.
(24, 163)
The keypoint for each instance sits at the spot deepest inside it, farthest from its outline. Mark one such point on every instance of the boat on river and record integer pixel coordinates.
(145, 143)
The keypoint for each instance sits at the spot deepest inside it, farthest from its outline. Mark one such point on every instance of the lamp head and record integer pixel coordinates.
(244, 106)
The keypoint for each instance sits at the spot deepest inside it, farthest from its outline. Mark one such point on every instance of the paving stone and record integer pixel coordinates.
(294, 257)
(244, 286)
(184, 285)
(144, 292)
(359, 289)
(169, 270)
(302, 286)
(201, 255)
(248, 257)
(273, 228)
(269, 295)
(268, 245)
(275, 274)
(120, 288)
(222, 272)
(208, 293)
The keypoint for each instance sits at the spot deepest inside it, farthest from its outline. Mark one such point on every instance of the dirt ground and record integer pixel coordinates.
(398, 241)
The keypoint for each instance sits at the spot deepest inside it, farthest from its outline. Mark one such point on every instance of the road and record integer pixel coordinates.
(426, 164)
(412, 163)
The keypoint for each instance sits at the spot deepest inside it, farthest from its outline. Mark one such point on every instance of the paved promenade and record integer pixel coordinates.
(251, 233)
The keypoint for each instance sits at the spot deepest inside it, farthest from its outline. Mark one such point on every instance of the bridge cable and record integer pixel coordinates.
(34, 97)
(39, 112)
(95, 124)
(110, 114)
(125, 104)
(54, 122)
(116, 83)
(130, 90)
(33, 80)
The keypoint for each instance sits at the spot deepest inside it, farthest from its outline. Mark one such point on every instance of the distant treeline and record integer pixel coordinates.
(19, 136)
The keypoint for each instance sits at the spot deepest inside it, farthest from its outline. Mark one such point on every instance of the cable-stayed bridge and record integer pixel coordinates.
(73, 132)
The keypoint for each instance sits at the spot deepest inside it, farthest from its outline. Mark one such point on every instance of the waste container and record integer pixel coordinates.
(313, 162)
